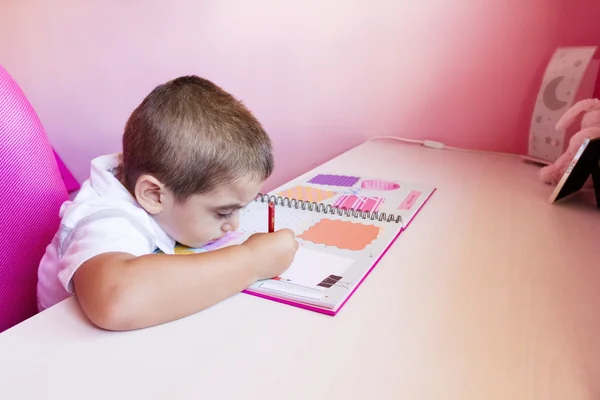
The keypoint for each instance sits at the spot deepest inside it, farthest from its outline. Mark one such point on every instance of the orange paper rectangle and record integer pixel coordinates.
(307, 193)
(341, 234)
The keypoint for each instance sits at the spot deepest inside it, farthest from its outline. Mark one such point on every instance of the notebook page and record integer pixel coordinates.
(356, 239)
(294, 291)
(311, 268)
(254, 218)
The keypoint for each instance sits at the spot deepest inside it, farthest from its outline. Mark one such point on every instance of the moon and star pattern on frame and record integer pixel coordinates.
(557, 93)
(551, 100)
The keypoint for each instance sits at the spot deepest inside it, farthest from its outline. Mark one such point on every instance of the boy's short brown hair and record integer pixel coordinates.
(193, 136)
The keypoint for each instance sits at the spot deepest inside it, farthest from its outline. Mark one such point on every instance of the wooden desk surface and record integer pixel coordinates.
(491, 293)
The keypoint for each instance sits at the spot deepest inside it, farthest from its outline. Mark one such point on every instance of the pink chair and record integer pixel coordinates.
(32, 192)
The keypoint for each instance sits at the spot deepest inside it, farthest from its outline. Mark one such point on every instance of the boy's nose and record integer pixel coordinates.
(232, 224)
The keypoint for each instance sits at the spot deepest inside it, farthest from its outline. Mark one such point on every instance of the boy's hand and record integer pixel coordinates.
(273, 252)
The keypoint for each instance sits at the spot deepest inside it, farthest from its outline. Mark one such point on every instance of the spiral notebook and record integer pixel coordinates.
(344, 225)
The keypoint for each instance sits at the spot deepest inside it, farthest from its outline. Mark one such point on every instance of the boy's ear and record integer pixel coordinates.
(149, 192)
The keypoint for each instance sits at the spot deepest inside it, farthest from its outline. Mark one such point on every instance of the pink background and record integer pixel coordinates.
(322, 76)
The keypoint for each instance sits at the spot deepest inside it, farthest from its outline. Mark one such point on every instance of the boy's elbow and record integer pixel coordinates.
(105, 297)
(110, 307)
(112, 313)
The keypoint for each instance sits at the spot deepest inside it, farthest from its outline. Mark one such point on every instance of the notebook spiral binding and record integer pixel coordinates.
(327, 208)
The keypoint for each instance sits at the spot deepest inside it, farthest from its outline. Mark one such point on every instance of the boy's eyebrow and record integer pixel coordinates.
(234, 206)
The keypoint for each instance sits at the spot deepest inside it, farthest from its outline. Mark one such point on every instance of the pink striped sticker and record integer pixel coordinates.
(359, 203)
(379, 185)
(410, 200)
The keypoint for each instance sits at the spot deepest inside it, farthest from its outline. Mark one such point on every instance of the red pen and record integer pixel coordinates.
(271, 216)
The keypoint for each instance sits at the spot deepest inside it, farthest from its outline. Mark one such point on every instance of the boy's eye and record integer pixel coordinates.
(225, 216)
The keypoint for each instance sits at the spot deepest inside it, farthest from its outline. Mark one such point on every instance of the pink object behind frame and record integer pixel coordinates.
(67, 177)
(32, 193)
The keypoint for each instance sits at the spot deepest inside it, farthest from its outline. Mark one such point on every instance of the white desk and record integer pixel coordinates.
(491, 293)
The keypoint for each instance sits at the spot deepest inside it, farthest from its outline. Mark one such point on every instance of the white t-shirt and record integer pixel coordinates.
(103, 217)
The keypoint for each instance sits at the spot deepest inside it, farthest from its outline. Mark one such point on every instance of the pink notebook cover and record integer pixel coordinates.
(333, 312)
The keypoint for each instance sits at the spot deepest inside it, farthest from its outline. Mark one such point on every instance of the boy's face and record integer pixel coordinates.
(206, 217)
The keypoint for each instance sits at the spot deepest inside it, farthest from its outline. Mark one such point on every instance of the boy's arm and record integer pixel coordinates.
(118, 291)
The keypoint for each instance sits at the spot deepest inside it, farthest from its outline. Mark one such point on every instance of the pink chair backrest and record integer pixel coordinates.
(32, 192)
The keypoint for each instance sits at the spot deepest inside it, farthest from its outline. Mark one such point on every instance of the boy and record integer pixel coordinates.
(192, 156)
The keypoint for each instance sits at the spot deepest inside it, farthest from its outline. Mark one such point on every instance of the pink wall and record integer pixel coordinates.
(321, 75)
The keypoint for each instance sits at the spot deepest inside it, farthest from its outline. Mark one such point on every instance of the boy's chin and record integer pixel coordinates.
(205, 243)
(193, 245)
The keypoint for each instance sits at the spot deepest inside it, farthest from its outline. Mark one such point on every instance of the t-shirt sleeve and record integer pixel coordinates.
(103, 235)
